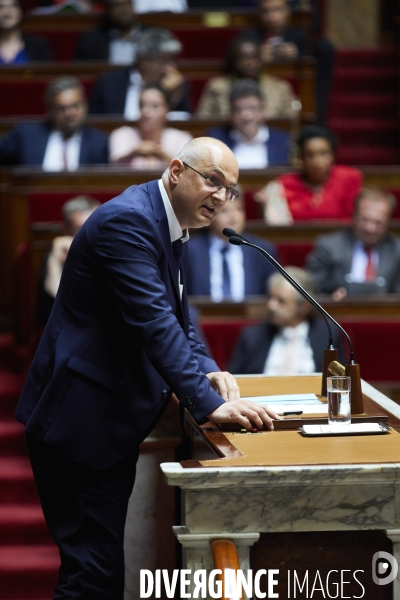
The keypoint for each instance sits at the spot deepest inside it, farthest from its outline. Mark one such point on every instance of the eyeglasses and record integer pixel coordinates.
(213, 182)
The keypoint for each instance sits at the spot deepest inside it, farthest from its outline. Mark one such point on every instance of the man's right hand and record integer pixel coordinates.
(248, 414)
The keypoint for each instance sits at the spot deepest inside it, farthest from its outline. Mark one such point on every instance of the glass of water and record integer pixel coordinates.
(339, 407)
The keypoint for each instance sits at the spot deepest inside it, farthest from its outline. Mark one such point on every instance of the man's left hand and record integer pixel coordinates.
(225, 384)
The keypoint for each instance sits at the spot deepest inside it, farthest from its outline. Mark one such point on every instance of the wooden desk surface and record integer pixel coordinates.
(286, 447)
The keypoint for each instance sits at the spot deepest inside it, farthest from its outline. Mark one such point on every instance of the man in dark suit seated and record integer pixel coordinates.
(118, 92)
(118, 342)
(255, 145)
(62, 142)
(221, 270)
(292, 340)
(363, 258)
(116, 39)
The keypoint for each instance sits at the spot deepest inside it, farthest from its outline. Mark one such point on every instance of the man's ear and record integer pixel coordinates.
(175, 170)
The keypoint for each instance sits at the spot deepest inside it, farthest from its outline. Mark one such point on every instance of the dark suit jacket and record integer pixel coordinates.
(26, 145)
(256, 268)
(37, 48)
(255, 342)
(95, 43)
(118, 338)
(331, 259)
(109, 94)
(278, 143)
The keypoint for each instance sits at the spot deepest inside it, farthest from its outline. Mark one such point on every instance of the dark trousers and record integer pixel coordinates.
(85, 511)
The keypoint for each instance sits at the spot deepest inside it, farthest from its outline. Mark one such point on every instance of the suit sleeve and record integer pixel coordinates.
(127, 254)
(9, 147)
(96, 102)
(103, 152)
(206, 364)
(319, 264)
(238, 363)
(82, 49)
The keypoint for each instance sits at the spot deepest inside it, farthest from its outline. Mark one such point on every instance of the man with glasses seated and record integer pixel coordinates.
(63, 142)
(221, 270)
(254, 144)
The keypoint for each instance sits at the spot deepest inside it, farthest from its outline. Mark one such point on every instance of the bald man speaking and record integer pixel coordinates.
(118, 342)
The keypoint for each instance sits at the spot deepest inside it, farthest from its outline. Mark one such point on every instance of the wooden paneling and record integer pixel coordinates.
(193, 18)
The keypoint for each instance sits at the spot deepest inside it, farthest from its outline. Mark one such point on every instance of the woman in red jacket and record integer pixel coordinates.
(321, 190)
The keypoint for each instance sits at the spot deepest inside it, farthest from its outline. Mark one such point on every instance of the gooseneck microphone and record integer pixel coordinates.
(352, 368)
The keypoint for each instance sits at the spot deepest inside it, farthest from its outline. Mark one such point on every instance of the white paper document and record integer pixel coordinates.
(286, 399)
(352, 429)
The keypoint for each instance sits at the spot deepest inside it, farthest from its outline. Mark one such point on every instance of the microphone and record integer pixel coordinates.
(352, 368)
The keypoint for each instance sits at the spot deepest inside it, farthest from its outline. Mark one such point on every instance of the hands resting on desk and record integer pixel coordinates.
(248, 414)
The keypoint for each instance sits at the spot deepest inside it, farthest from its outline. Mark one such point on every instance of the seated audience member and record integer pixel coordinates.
(74, 213)
(322, 190)
(363, 258)
(118, 92)
(243, 61)
(280, 42)
(255, 145)
(116, 39)
(292, 340)
(17, 48)
(221, 270)
(61, 143)
(150, 145)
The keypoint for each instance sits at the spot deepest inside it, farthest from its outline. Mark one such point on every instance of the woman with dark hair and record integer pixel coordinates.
(150, 145)
(243, 61)
(15, 46)
(321, 190)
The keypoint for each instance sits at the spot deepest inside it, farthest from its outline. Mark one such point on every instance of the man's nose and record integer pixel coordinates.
(220, 194)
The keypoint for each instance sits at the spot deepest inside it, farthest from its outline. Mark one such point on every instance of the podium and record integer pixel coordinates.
(354, 502)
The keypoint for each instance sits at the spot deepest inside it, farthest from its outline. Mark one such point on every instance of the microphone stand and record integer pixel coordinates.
(352, 369)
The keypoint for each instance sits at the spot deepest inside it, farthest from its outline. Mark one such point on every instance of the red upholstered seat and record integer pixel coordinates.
(294, 254)
(45, 207)
(24, 97)
(222, 336)
(375, 344)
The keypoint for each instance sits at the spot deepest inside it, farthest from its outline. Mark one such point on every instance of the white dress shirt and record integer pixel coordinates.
(290, 352)
(234, 258)
(60, 154)
(251, 154)
(123, 51)
(175, 230)
(132, 110)
(359, 262)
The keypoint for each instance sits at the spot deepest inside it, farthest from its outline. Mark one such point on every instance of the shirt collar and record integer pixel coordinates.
(135, 77)
(175, 230)
(216, 242)
(301, 329)
(260, 138)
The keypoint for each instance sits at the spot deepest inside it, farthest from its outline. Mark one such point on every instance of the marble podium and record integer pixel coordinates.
(240, 503)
